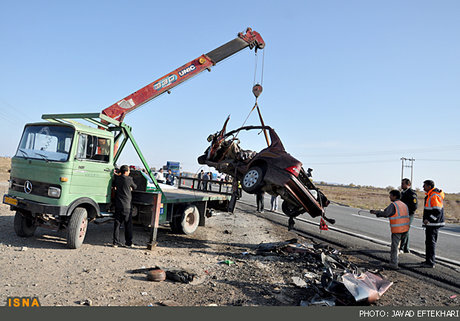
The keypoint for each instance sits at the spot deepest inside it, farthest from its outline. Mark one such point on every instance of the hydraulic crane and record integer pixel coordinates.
(118, 110)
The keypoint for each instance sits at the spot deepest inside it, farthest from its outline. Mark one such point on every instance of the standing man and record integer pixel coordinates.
(123, 184)
(200, 176)
(205, 181)
(274, 203)
(433, 219)
(170, 178)
(398, 213)
(408, 197)
(260, 201)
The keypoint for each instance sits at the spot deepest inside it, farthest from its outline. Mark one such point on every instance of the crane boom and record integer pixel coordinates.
(121, 108)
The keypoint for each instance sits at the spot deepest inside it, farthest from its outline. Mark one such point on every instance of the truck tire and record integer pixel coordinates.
(24, 226)
(252, 180)
(76, 229)
(190, 219)
(186, 222)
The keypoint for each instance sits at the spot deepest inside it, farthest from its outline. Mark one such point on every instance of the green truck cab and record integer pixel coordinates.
(61, 177)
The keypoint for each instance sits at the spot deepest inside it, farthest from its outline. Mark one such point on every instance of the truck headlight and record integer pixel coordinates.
(54, 192)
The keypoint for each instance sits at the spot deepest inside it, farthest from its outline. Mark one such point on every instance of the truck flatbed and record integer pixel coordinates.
(189, 195)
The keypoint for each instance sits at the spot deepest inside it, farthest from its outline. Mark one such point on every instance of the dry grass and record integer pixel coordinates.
(354, 196)
(377, 198)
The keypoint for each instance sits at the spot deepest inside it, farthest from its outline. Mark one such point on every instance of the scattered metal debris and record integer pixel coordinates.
(329, 278)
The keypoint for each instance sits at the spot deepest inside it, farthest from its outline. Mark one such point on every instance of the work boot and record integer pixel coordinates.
(426, 264)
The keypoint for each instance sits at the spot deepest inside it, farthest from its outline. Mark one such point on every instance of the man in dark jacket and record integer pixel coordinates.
(433, 219)
(123, 184)
(408, 197)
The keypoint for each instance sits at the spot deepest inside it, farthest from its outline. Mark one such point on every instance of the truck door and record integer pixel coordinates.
(93, 168)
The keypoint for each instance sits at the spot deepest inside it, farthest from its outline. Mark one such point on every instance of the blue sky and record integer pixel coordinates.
(350, 86)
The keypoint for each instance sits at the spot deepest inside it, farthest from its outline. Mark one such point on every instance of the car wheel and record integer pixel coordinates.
(24, 226)
(290, 209)
(77, 227)
(253, 180)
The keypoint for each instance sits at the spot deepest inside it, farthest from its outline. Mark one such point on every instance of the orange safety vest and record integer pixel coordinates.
(434, 200)
(399, 221)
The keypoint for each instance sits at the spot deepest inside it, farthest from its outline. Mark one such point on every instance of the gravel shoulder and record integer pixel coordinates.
(43, 267)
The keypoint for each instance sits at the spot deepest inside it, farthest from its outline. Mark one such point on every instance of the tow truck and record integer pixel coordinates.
(62, 171)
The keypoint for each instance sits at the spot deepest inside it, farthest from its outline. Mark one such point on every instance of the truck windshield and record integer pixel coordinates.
(50, 143)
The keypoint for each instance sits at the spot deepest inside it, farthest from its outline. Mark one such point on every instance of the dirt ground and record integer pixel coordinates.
(43, 267)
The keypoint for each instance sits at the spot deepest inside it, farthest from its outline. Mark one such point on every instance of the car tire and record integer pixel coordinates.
(253, 180)
(77, 227)
(24, 226)
(290, 209)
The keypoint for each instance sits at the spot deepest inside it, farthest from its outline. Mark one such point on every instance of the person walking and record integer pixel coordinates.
(408, 197)
(274, 203)
(260, 201)
(433, 219)
(123, 184)
(398, 214)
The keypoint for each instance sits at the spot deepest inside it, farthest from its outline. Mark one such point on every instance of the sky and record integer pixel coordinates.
(350, 87)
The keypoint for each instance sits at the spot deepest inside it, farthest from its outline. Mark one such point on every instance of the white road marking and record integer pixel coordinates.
(412, 226)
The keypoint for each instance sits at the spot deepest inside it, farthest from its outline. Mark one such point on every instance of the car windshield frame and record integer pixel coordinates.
(52, 143)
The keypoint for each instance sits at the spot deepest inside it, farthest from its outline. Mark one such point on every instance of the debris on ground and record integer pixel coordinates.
(329, 278)
(87, 302)
(180, 276)
(274, 247)
(228, 262)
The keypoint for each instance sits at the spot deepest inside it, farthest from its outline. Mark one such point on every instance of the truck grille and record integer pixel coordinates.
(38, 188)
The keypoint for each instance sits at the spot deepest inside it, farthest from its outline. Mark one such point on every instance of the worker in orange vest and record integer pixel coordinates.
(398, 214)
(433, 219)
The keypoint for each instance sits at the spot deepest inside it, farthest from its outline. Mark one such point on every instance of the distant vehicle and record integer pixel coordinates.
(272, 170)
(174, 167)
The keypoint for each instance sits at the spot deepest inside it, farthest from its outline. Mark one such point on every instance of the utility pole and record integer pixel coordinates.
(403, 164)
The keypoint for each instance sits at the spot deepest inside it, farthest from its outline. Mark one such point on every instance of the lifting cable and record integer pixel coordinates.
(257, 90)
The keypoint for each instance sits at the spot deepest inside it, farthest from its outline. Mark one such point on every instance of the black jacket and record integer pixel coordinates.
(123, 185)
(409, 197)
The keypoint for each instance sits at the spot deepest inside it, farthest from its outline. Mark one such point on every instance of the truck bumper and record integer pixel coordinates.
(34, 207)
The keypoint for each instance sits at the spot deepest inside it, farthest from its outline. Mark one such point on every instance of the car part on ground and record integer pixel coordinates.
(329, 278)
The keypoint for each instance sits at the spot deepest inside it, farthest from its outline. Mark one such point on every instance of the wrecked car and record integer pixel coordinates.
(272, 170)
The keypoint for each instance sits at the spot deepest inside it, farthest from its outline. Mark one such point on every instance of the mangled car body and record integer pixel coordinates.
(271, 170)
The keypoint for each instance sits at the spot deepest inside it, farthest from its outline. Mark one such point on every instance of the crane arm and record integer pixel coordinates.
(120, 109)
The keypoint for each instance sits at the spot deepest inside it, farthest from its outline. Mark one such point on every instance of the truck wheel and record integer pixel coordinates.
(187, 222)
(190, 219)
(76, 230)
(253, 180)
(24, 226)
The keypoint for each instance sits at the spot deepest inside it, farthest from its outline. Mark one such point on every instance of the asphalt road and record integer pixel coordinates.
(361, 222)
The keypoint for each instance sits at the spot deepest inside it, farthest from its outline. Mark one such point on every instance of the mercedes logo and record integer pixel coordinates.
(28, 187)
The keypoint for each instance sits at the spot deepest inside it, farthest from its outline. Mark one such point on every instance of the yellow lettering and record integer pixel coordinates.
(16, 302)
(25, 302)
(35, 302)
